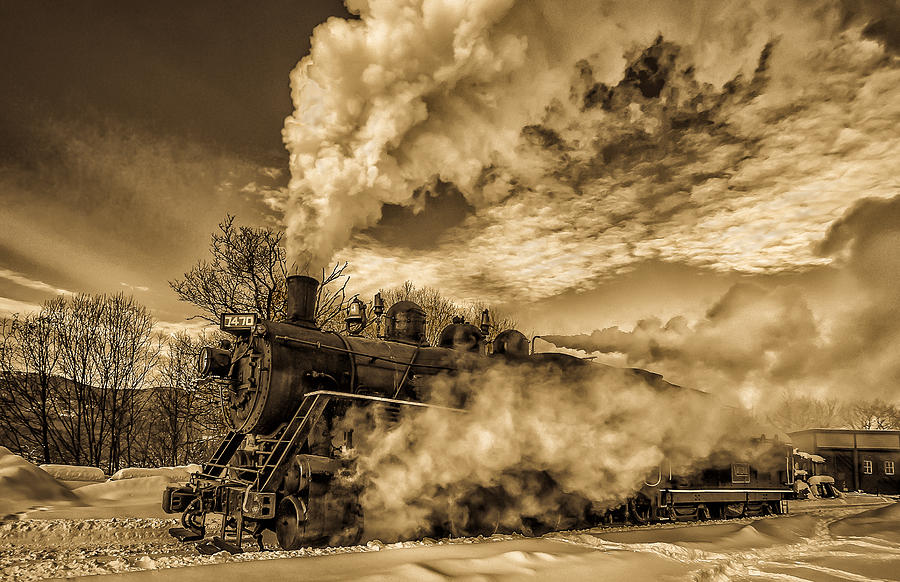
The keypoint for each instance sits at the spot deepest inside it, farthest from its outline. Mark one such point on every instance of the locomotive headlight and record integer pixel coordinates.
(213, 362)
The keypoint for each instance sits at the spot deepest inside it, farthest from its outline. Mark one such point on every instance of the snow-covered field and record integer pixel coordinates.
(116, 528)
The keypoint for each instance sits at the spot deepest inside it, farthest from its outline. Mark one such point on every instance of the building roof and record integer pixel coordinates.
(844, 431)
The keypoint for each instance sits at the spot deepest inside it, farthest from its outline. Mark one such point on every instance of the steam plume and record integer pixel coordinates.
(590, 136)
(537, 441)
(756, 342)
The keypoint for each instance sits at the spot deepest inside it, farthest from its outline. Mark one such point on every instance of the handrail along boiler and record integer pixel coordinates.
(284, 463)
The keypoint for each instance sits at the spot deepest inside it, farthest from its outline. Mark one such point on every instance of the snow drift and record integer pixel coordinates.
(133, 490)
(23, 485)
(74, 472)
(75, 476)
(180, 473)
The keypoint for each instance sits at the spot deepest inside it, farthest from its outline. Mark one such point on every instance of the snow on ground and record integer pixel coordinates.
(117, 528)
(837, 542)
(23, 485)
(173, 474)
(74, 473)
(29, 492)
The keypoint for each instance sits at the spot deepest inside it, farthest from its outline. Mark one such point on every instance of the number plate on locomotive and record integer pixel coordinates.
(238, 321)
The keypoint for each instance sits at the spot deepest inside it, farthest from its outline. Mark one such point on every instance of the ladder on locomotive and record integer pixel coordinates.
(215, 467)
(296, 431)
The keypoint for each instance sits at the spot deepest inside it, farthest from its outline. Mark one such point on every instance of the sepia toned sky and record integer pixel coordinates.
(657, 181)
(128, 131)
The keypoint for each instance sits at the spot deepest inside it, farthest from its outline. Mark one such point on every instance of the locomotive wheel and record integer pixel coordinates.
(734, 509)
(640, 509)
(289, 517)
(703, 513)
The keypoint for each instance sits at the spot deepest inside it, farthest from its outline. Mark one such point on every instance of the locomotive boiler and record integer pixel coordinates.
(286, 462)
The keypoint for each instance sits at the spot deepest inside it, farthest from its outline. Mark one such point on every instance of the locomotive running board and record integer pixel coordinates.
(724, 495)
(351, 396)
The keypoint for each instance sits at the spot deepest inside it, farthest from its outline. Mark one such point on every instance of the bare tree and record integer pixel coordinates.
(72, 376)
(247, 273)
(801, 412)
(185, 416)
(331, 298)
(28, 362)
(124, 355)
(874, 415)
(74, 402)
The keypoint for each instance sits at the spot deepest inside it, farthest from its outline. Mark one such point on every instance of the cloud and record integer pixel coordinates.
(192, 327)
(22, 280)
(756, 342)
(99, 201)
(589, 139)
(13, 306)
(134, 287)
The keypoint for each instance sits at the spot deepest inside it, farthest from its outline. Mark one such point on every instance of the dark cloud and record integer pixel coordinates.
(128, 131)
(869, 238)
(102, 203)
(436, 209)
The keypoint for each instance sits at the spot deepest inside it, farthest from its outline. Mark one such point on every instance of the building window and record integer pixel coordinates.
(867, 467)
(889, 467)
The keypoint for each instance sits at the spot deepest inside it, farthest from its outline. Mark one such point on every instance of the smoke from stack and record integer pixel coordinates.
(588, 136)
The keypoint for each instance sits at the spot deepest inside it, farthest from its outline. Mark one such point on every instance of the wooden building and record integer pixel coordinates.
(866, 460)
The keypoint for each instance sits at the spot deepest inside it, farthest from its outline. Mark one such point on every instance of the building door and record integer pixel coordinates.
(843, 470)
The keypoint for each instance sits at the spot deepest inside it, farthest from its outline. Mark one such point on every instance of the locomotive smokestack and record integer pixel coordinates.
(301, 300)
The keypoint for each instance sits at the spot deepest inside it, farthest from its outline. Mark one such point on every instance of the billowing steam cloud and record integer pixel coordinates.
(589, 136)
(532, 446)
(759, 342)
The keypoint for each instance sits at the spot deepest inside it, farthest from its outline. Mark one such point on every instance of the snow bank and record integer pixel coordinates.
(75, 473)
(133, 490)
(181, 473)
(23, 485)
(883, 523)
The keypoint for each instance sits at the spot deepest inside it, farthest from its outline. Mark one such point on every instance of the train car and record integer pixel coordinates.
(284, 465)
(753, 484)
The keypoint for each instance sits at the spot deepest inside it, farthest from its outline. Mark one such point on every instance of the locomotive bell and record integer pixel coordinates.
(356, 316)
(378, 305)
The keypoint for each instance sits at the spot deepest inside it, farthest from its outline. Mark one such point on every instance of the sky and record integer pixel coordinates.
(708, 189)
(128, 131)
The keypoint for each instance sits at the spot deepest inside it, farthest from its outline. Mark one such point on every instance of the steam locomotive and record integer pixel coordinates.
(284, 465)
